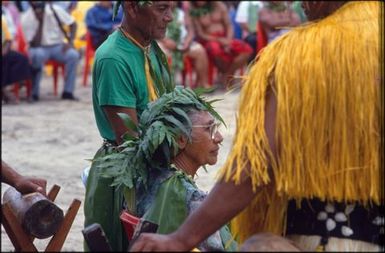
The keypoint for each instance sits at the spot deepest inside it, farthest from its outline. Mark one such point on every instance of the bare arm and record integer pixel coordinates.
(226, 21)
(200, 31)
(117, 123)
(21, 183)
(209, 217)
(168, 43)
(190, 30)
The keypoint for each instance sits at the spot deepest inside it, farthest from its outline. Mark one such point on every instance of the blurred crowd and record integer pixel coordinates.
(207, 43)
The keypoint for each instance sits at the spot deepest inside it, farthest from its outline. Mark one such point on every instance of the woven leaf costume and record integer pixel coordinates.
(325, 76)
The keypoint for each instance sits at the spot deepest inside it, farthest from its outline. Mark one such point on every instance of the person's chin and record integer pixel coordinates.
(212, 161)
(160, 36)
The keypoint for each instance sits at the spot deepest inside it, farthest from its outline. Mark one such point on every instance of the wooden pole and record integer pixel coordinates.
(37, 215)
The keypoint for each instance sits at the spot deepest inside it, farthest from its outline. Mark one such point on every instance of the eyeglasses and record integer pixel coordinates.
(214, 127)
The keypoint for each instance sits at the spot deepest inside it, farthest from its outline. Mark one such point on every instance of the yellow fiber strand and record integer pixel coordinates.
(325, 77)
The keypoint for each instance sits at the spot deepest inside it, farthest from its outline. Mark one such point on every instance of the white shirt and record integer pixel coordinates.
(51, 33)
(242, 14)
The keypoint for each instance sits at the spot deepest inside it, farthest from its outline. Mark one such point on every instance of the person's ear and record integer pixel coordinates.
(182, 142)
(131, 8)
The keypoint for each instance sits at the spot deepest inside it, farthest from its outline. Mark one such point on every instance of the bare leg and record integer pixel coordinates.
(201, 64)
(238, 62)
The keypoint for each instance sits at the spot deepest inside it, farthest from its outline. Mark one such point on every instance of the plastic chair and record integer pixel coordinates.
(261, 37)
(55, 71)
(212, 72)
(187, 70)
(89, 54)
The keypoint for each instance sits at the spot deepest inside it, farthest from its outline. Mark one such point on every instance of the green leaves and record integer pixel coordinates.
(128, 122)
(155, 145)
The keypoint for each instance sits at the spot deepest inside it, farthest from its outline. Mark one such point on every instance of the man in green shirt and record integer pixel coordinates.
(129, 71)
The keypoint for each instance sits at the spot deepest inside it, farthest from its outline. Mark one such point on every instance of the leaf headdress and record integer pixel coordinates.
(154, 147)
(118, 3)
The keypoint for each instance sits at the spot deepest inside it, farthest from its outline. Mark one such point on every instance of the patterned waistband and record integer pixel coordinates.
(333, 219)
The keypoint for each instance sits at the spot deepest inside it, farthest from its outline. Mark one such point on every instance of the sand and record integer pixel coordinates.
(53, 139)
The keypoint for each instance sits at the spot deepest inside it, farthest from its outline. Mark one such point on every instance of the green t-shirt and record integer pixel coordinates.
(118, 79)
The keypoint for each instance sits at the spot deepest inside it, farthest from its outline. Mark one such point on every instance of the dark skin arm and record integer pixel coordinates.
(21, 183)
(226, 22)
(200, 32)
(117, 123)
(214, 212)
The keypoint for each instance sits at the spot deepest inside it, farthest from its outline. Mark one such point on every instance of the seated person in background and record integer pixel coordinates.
(275, 16)
(99, 22)
(43, 27)
(179, 43)
(174, 142)
(21, 183)
(15, 66)
(247, 18)
(213, 29)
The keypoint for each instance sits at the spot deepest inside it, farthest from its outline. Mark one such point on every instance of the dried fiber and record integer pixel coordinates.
(325, 76)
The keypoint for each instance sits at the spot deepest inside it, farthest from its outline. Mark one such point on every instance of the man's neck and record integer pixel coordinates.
(136, 34)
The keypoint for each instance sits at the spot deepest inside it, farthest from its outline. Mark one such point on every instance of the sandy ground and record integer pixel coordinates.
(54, 138)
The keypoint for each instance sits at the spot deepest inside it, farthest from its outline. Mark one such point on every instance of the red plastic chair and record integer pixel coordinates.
(187, 70)
(55, 71)
(89, 54)
(261, 37)
(213, 71)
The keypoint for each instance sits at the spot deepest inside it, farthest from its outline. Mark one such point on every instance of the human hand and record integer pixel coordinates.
(156, 242)
(224, 41)
(30, 184)
(169, 44)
